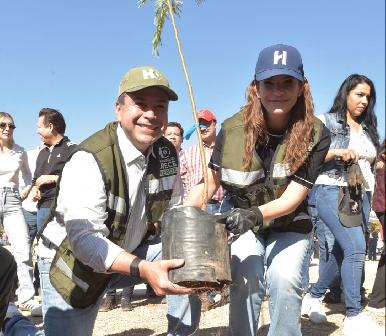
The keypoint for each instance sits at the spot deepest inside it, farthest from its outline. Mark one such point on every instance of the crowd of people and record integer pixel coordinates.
(278, 173)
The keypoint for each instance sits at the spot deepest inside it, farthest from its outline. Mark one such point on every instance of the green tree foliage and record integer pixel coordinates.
(160, 14)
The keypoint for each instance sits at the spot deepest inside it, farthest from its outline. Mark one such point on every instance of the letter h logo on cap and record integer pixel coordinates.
(277, 56)
(279, 59)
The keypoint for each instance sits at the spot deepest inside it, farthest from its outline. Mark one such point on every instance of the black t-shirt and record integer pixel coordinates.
(51, 162)
(307, 173)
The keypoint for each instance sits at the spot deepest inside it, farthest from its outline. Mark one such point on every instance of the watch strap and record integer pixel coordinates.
(134, 269)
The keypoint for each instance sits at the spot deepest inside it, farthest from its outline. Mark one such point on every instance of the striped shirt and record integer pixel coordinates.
(191, 169)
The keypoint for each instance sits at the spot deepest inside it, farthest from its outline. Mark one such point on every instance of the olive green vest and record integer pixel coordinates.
(253, 186)
(80, 285)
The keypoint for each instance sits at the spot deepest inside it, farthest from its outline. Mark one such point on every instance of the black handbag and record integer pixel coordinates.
(350, 197)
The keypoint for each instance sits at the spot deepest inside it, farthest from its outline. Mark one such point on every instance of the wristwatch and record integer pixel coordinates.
(134, 269)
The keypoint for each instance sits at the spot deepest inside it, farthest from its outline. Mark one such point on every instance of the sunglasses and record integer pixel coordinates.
(10, 125)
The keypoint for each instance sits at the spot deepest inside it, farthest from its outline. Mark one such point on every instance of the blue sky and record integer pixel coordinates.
(71, 54)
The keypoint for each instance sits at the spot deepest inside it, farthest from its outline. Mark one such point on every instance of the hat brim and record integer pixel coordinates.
(276, 72)
(170, 93)
(206, 119)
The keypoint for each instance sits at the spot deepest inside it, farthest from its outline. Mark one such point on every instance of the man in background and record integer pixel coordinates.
(50, 161)
(191, 168)
(175, 134)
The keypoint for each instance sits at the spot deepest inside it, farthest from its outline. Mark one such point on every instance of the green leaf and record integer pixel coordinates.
(161, 13)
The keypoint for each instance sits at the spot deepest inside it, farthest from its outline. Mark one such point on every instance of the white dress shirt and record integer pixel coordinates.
(82, 207)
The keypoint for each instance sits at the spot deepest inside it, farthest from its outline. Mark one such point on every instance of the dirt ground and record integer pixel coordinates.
(148, 317)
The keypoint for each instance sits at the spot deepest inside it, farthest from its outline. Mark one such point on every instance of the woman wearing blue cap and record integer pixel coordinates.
(267, 156)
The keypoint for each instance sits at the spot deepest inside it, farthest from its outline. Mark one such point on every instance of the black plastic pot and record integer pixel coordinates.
(201, 240)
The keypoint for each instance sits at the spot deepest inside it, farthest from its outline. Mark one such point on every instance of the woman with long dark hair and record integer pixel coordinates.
(267, 157)
(344, 208)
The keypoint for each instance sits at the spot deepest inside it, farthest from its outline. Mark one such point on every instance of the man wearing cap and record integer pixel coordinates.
(191, 168)
(113, 191)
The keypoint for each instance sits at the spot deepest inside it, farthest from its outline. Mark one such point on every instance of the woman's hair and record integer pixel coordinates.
(7, 115)
(368, 116)
(381, 149)
(297, 137)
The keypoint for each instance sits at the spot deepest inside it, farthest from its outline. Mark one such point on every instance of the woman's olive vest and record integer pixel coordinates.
(255, 186)
(79, 284)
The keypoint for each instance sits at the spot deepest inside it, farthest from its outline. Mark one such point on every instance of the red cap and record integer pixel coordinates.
(206, 115)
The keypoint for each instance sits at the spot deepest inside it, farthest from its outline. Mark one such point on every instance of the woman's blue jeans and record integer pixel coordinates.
(349, 248)
(12, 218)
(326, 243)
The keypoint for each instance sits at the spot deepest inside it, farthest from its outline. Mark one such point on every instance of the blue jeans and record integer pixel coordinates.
(21, 326)
(15, 226)
(326, 243)
(221, 207)
(61, 319)
(41, 216)
(31, 220)
(284, 255)
(348, 251)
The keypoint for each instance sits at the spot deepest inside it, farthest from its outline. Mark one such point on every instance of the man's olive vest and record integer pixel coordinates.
(80, 285)
(254, 186)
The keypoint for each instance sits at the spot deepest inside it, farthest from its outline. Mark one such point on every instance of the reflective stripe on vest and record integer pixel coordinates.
(281, 170)
(116, 203)
(162, 184)
(241, 178)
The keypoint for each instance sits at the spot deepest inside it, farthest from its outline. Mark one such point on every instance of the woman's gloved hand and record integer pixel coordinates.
(240, 221)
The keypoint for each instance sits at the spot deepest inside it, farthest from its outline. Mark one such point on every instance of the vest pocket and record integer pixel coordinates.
(77, 283)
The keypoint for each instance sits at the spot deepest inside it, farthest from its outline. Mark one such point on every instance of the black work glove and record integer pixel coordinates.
(240, 221)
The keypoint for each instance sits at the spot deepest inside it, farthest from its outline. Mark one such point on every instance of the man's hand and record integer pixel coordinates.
(240, 221)
(24, 193)
(46, 179)
(156, 274)
(35, 192)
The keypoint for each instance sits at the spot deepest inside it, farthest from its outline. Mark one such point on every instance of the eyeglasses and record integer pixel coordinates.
(10, 125)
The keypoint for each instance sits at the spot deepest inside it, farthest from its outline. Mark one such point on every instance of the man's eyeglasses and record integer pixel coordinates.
(10, 125)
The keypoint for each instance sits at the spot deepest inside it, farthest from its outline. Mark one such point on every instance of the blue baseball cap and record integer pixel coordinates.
(279, 59)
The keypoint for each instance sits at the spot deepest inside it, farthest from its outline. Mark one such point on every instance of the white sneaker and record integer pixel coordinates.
(376, 310)
(362, 324)
(33, 307)
(312, 307)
